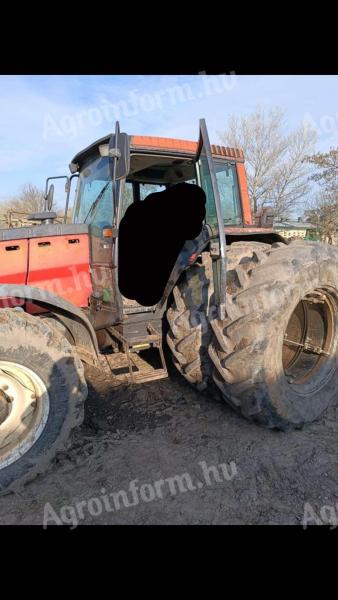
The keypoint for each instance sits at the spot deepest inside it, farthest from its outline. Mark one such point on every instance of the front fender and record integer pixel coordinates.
(52, 302)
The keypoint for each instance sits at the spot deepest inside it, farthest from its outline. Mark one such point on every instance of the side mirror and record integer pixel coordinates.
(49, 198)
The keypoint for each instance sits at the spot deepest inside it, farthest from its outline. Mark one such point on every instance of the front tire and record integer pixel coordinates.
(42, 391)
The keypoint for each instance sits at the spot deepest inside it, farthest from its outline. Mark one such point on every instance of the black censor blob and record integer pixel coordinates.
(151, 236)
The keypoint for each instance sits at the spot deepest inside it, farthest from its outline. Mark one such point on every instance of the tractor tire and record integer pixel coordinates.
(42, 393)
(189, 330)
(275, 354)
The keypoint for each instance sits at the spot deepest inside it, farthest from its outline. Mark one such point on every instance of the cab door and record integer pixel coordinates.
(105, 302)
(214, 216)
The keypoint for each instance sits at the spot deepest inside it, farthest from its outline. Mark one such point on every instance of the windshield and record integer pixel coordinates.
(94, 180)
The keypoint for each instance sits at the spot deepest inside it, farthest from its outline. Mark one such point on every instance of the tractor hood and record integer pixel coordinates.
(35, 231)
(52, 257)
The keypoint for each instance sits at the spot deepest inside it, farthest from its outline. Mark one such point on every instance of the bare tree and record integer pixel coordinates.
(322, 208)
(326, 164)
(276, 171)
(30, 200)
(322, 211)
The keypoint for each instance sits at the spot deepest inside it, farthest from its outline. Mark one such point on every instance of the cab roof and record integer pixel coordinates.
(143, 143)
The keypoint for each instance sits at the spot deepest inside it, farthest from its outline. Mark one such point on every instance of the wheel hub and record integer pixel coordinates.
(24, 407)
(308, 339)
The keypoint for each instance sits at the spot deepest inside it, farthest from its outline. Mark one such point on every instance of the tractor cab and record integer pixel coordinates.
(116, 176)
(118, 171)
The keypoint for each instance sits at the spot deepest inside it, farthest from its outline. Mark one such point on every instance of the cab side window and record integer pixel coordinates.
(127, 196)
(229, 193)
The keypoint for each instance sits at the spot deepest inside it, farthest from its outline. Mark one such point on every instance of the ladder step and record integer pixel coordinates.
(154, 375)
(140, 377)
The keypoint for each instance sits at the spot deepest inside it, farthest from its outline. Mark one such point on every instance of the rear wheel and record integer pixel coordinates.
(42, 390)
(275, 355)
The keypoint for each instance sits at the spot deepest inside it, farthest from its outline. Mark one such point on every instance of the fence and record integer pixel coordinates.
(12, 218)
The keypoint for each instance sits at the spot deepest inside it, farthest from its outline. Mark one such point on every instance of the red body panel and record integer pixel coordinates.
(13, 261)
(60, 264)
(14, 264)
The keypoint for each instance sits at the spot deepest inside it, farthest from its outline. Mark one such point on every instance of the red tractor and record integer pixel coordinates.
(243, 310)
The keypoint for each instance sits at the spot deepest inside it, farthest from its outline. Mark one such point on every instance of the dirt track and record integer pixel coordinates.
(158, 430)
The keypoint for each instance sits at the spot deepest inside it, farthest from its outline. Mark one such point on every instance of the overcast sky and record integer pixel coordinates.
(45, 120)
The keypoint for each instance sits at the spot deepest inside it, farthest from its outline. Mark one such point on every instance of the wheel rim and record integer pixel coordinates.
(309, 339)
(24, 409)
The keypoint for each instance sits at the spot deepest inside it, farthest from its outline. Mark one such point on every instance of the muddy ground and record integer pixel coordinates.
(155, 431)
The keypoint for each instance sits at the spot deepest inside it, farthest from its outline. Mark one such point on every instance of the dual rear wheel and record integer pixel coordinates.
(274, 356)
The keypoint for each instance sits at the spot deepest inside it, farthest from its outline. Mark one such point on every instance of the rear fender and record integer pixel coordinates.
(192, 248)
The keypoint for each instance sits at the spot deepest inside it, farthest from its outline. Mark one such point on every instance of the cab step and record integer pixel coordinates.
(135, 345)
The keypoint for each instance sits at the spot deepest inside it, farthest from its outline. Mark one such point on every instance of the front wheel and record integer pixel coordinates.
(42, 390)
